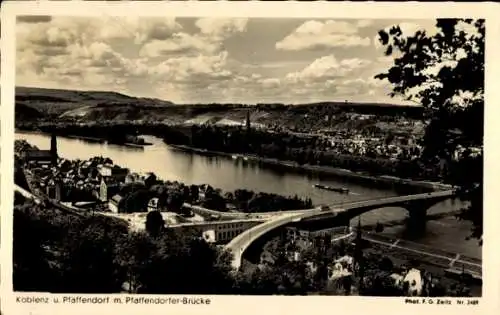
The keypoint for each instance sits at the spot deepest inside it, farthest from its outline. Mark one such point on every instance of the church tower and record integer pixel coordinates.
(248, 121)
(53, 149)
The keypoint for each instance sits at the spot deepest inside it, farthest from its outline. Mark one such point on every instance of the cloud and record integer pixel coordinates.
(149, 29)
(270, 82)
(75, 53)
(177, 44)
(193, 70)
(327, 67)
(193, 61)
(364, 89)
(320, 35)
(221, 28)
(94, 66)
(209, 39)
(83, 53)
(86, 29)
(364, 23)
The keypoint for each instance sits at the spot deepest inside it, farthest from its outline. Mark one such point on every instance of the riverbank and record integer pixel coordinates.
(343, 173)
(94, 139)
(90, 139)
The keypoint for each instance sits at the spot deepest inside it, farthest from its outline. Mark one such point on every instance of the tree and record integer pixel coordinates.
(183, 264)
(175, 200)
(214, 201)
(136, 201)
(444, 72)
(31, 267)
(133, 255)
(194, 193)
(154, 223)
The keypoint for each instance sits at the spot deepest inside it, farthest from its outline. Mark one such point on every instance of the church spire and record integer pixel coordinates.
(248, 120)
(53, 149)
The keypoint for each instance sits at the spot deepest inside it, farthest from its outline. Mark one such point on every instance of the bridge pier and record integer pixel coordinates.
(417, 219)
(343, 221)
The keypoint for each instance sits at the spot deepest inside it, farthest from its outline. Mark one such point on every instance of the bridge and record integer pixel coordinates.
(416, 205)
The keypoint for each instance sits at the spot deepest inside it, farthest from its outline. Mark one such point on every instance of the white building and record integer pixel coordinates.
(153, 204)
(415, 282)
(219, 231)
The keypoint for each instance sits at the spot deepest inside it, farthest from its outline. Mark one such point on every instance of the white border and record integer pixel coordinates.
(489, 303)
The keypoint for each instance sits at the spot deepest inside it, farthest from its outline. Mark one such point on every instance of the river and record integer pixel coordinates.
(221, 172)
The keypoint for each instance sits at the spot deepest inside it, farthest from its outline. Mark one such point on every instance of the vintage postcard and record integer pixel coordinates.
(222, 157)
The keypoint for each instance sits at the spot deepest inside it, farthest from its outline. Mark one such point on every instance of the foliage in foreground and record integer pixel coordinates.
(64, 253)
(444, 72)
(96, 254)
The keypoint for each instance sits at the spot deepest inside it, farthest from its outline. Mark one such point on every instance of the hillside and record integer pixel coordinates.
(56, 102)
(97, 106)
(27, 113)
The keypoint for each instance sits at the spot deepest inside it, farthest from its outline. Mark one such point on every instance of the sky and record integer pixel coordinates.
(205, 60)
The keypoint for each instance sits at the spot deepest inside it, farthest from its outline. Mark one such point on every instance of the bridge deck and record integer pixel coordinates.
(239, 244)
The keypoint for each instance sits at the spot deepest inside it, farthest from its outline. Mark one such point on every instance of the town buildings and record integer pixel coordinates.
(305, 238)
(39, 157)
(218, 231)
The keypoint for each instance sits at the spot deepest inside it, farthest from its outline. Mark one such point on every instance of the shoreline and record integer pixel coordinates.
(89, 139)
(327, 170)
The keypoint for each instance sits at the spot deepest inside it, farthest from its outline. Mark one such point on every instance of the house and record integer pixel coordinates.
(85, 168)
(203, 190)
(118, 173)
(108, 187)
(153, 204)
(114, 203)
(64, 165)
(220, 231)
(150, 179)
(133, 178)
(414, 282)
(209, 236)
(54, 189)
(92, 172)
(305, 237)
(37, 156)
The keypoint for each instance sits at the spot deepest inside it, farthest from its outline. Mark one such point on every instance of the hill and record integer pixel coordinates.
(55, 102)
(27, 113)
(106, 107)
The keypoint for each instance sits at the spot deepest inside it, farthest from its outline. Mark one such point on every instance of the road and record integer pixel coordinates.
(56, 204)
(26, 194)
(240, 243)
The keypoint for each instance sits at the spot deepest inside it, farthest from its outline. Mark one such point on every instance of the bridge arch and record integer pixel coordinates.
(416, 205)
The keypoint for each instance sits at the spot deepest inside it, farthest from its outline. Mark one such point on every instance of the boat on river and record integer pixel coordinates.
(342, 190)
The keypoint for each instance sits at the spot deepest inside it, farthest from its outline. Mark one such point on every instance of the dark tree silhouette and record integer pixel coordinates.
(31, 270)
(154, 223)
(444, 73)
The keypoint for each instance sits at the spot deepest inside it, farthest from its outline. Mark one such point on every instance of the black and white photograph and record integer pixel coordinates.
(248, 156)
